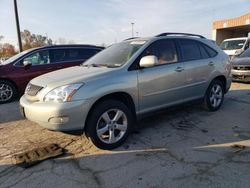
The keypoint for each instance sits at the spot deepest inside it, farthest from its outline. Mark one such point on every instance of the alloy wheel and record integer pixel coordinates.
(216, 95)
(6, 92)
(112, 126)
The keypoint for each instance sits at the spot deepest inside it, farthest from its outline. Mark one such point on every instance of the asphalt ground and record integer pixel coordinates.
(185, 147)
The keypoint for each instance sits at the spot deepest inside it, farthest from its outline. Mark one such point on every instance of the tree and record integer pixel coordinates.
(30, 40)
(8, 50)
(1, 47)
(61, 41)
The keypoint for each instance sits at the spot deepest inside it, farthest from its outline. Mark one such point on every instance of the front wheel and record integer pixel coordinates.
(214, 96)
(8, 92)
(109, 124)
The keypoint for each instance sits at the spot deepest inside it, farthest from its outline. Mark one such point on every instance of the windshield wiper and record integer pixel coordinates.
(94, 65)
(102, 65)
(114, 66)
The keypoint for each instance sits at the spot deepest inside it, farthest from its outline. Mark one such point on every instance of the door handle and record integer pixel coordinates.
(179, 69)
(211, 63)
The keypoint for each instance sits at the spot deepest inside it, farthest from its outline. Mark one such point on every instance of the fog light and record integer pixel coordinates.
(59, 120)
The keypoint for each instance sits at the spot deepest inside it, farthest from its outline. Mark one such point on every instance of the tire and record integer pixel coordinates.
(8, 92)
(214, 96)
(113, 120)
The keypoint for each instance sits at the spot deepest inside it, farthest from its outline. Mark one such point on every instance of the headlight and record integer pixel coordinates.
(63, 93)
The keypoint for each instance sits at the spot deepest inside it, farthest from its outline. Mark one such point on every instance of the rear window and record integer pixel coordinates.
(193, 50)
(204, 53)
(58, 55)
(190, 50)
(72, 54)
(210, 51)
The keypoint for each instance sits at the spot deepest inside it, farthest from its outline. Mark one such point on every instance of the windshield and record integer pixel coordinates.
(13, 58)
(246, 53)
(116, 55)
(232, 44)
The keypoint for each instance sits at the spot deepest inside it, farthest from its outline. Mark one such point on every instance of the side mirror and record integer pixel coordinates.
(148, 61)
(26, 63)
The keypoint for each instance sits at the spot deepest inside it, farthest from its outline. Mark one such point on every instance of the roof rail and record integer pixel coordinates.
(130, 38)
(180, 34)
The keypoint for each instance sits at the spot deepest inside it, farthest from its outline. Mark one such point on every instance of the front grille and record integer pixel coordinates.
(240, 77)
(32, 90)
(241, 67)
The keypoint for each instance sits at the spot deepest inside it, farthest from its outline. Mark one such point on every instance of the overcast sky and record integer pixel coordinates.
(109, 21)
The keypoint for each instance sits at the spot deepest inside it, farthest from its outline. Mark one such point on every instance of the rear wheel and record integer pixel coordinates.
(214, 96)
(109, 124)
(8, 91)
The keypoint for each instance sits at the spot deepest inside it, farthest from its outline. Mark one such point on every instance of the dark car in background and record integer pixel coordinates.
(241, 67)
(17, 71)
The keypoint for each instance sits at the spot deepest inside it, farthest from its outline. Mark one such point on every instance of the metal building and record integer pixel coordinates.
(231, 28)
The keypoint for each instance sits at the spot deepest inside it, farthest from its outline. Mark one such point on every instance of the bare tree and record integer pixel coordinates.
(61, 41)
(30, 40)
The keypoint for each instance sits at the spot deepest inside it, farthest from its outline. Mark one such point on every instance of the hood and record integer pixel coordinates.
(70, 75)
(241, 61)
(230, 52)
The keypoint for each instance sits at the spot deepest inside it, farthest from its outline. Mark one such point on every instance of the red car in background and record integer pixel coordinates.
(17, 71)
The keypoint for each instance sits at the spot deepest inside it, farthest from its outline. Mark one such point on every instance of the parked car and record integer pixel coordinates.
(17, 71)
(128, 80)
(235, 46)
(241, 67)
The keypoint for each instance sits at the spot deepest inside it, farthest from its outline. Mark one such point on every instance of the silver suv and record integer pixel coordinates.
(105, 95)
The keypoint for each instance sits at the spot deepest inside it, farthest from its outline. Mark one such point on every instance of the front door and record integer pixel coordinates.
(39, 62)
(163, 84)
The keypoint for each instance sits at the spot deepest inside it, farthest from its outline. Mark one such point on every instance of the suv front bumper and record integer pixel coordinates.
(241, 75)
(65, 116)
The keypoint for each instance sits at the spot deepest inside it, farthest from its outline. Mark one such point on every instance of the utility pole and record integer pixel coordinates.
(18, 27)
(132, 24)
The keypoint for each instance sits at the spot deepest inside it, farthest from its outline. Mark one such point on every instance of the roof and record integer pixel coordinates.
(71, 45)
(240, 38)
(180, 34)
(168, 35)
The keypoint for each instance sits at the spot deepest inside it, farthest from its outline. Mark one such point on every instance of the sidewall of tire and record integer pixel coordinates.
(207, 103)
(94, 117)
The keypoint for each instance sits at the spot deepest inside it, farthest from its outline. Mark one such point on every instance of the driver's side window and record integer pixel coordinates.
(38, 58)
(164, 50)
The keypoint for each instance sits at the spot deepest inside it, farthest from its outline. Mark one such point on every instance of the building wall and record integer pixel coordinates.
(240, 21)
(231, 28)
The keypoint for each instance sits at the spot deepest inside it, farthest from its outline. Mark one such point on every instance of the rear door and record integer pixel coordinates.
(163, 84)
(199, 64)
(63, 58)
